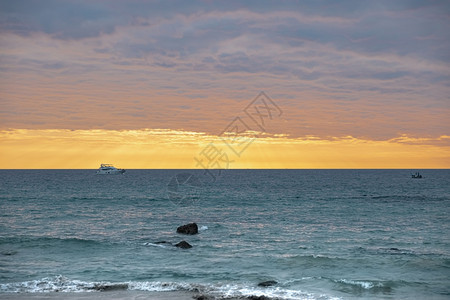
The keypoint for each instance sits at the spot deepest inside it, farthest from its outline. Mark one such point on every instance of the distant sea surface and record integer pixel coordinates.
(319, 234)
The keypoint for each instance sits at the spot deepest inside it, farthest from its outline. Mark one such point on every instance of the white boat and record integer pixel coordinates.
(109, 169)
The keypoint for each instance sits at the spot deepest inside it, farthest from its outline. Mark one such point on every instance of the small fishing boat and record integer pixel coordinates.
(417, 175)
(109, 169)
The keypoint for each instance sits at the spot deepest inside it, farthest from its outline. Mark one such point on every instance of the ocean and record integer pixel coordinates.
(315, 234)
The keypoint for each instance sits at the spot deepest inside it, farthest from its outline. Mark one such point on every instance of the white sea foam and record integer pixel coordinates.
(48, 284)
(64, 284)
(245, 291)
(161, 245)
(228, 290)
(364, 284)
(203, 228)
(157, 286)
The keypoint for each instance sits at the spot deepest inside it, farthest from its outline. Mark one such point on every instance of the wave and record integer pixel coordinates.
(395, 251)
(386, 251)
(162, 244)
(419, 198)
(39, 240)
(367, 285)
(402, 252)
(63, 284)
(313, 259)
(372, 286)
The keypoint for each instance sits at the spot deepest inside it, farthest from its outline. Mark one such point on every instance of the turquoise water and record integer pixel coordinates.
(321, 234)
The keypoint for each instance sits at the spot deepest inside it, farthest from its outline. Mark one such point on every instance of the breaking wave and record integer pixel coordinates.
(218, 291)
(371, 286)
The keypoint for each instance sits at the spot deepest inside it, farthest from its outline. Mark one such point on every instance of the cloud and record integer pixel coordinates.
(360, 68)
(69, 20)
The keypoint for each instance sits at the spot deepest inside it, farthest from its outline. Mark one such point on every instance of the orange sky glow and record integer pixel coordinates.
(159, 149)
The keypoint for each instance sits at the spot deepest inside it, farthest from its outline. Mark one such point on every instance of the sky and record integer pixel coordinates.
(158, 84)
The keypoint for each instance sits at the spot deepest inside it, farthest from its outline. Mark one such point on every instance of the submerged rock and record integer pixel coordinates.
(183, 245)
(110, 287)
(258, 298)
(267, 283)
(201, 297)
(190, 228)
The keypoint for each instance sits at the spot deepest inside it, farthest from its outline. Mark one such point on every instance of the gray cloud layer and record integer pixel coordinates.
(347, 62)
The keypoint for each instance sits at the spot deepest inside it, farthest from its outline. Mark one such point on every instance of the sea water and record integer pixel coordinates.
(319, 234)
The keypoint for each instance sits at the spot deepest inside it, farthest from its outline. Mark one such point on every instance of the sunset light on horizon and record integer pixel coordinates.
(152, 84)
(169, 149)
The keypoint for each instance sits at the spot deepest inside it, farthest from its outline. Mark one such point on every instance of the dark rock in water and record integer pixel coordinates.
(162, 242)
(190, 228)
(110, 287)
(183, 245)
(201, 297)
(258, 298)
(267, 283)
